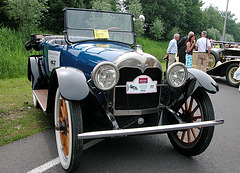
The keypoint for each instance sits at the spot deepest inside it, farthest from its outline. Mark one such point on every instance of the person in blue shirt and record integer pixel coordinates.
(172, 49)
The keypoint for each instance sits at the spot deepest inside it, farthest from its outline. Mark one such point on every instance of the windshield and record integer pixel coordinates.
(84, 25)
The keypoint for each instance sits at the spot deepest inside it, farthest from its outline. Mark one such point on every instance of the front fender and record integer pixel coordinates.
(201, 79)
(72, 83)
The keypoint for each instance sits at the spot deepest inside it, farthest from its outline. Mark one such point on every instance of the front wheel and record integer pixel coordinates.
(230, 73)
(194, 141)
(68, 124)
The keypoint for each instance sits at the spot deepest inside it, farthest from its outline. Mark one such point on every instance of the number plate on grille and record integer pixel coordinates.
(141, 84)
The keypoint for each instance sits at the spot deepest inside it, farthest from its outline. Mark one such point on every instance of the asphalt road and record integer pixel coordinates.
(140, 154)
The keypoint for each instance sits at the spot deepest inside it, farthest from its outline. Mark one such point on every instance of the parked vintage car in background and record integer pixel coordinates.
(224, 60)
(99, 84)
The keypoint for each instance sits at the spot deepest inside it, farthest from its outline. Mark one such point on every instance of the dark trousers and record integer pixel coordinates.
(182, 56)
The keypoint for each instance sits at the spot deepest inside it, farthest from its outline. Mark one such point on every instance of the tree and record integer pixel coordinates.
(172, 32)
(27, 12)
(212, 18)
(157, 30)
(54, 18)
(103, 5)
(170, 12)
(213, 34)
(193, 17)
(135, 8)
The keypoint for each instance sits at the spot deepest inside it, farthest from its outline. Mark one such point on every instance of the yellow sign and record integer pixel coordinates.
(101, 34)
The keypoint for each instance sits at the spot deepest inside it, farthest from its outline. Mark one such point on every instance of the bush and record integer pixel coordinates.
(157, 30)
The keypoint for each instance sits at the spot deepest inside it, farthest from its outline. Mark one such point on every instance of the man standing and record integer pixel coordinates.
(203, 46)
(172, 49)
(182, 48)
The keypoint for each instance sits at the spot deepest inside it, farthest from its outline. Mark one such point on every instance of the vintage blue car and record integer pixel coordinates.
(99, 84)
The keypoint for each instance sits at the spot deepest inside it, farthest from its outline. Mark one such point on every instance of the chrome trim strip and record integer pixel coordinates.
(122, 86)
(135, 112)
(147, 130)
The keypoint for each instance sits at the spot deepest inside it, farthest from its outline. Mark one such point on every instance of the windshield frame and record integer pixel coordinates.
(68, 30)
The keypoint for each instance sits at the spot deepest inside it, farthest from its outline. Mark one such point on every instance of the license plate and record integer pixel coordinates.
(140, 85)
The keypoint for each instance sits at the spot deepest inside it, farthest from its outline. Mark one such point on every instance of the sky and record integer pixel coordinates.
(233, 6)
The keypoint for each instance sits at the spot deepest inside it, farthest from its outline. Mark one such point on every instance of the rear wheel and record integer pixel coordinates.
(195, 140)
(212, 61)
(68, 124)
(230, 73)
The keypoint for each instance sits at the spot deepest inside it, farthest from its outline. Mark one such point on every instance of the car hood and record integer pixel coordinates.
(85, 56)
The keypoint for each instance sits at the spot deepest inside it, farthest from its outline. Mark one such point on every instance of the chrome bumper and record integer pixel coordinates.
(147, 130)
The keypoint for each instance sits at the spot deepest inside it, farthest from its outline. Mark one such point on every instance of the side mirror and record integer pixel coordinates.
(142, 18)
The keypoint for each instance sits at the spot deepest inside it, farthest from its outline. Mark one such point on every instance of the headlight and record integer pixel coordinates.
(105, 75)
(176, 74)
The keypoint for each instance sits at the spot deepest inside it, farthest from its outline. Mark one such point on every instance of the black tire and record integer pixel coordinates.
(194, 141)
(230, 73)
(68, 114)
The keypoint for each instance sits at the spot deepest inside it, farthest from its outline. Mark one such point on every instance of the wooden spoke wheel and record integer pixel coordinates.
(195, 140)
(68, 124)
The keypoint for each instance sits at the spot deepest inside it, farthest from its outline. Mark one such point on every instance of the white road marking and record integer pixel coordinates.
(45, 166)
(56, 161)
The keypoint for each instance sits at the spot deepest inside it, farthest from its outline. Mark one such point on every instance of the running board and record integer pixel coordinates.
(147, 130)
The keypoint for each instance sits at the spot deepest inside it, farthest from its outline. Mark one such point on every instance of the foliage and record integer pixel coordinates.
(193, 17)
(163, 10)
(103, 5)
(175, 30)
(213, 34)
(213, 19)
(229, 38)
(27, 13)
(135, 8)
(13, 61)
(54, 18)
(157, 30)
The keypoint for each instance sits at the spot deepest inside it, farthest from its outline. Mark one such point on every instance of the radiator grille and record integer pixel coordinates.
(125, 101)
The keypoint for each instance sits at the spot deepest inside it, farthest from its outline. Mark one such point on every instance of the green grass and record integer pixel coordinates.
(13, 55)
(18, 117)
(157, 49)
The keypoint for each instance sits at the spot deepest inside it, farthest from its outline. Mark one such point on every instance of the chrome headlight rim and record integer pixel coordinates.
(170, 71)
(95, 73)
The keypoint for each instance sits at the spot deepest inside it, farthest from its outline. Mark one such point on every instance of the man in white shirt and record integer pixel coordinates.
(203, 47)
(172, 49)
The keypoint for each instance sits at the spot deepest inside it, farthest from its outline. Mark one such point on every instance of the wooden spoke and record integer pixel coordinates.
(194, 110)
(186, 105)
(194, 133)
(196, 117)
(190, 104)
(183, 135)
(189, 135)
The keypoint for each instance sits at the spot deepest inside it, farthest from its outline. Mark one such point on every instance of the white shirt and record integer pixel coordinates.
(202, 44)
(172, 47)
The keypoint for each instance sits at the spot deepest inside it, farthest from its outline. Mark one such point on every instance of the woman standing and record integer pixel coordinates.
(191, 41)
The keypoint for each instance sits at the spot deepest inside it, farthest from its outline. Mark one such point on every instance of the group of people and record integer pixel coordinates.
(184, 50)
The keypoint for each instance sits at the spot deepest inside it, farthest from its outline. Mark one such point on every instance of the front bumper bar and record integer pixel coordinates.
(147, 130)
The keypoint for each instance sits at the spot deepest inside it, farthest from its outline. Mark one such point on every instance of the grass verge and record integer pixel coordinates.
(18, 117)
